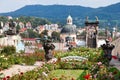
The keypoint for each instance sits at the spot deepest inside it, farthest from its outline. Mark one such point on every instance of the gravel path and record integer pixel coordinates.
(115, 63)
(16, 69)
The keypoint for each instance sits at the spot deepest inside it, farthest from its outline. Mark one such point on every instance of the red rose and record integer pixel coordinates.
(54, 79)
(72, 79)
(115, 72)
(86, 76)
(8, 77)
(4, 79)
(114, 57)
(21, 73)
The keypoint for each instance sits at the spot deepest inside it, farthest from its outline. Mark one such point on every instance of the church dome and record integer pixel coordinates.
(69, 29)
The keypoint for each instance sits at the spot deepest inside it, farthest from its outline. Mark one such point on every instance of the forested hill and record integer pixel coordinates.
(60, 12)
(51, 11)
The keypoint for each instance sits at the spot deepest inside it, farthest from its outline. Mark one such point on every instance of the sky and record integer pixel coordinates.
(12, 5)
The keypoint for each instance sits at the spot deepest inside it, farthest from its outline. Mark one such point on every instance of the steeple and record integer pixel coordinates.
(69, 20)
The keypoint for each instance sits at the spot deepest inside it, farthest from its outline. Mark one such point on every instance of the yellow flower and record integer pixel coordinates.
(2, 56)
(5, 58)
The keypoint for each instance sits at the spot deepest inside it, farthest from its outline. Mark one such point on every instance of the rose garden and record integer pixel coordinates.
(78, 64)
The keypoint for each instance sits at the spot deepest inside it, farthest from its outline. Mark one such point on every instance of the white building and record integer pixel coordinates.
(51, 27)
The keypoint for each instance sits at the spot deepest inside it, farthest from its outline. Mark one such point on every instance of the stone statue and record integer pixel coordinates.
(48, 47)
(11, 24)
(107, 48)
(12, 28)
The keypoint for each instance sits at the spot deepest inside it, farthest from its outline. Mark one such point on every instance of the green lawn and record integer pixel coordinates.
(65, 74)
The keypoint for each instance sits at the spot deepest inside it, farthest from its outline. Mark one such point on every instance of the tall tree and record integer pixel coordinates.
(55, 35)
(45, 32)
(29, 34)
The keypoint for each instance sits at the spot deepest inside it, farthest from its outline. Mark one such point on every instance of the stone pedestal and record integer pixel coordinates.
(48, 47)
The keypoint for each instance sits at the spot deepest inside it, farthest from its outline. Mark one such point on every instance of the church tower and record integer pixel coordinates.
(69, 20)
(91, 33)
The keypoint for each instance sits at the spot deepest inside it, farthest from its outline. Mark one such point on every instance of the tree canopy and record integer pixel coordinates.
(30, 34)
(55, 35)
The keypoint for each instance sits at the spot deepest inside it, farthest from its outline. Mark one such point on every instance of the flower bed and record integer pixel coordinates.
(90, 54)
(22, 59)
(93, 69)
(74, 64)
(50, 72)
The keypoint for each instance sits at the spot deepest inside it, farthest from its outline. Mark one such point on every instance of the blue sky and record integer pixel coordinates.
(11, 5)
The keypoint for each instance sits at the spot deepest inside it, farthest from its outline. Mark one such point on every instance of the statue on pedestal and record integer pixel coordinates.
(48, 47)
(12, 28)
(107, 48)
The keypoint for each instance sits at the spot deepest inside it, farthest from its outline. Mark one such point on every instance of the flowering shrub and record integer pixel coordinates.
(90, 54)
(74, 64)
(38, 73)
(94, 67)
(15, 59)
(4, 63)
(77, 58)
(8, 50)
(100, 71)
(29, 59)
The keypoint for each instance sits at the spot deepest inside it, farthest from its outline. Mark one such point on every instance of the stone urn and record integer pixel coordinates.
(107, 48)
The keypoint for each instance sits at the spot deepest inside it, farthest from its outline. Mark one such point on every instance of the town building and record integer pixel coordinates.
(28, 25)
(9, 35)
(21, 24)
(31, 44)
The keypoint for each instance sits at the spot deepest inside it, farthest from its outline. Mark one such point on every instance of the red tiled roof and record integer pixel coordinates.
(23, 29)
(39, 45)
(73, 43)
(29, 39)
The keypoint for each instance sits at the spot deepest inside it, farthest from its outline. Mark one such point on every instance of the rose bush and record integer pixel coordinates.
(95, 67)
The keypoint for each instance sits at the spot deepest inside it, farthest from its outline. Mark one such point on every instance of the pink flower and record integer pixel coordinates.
(95, 76)
(99, 63)
(110, 74)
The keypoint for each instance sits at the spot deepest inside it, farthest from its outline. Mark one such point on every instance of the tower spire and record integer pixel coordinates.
(69, 20)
